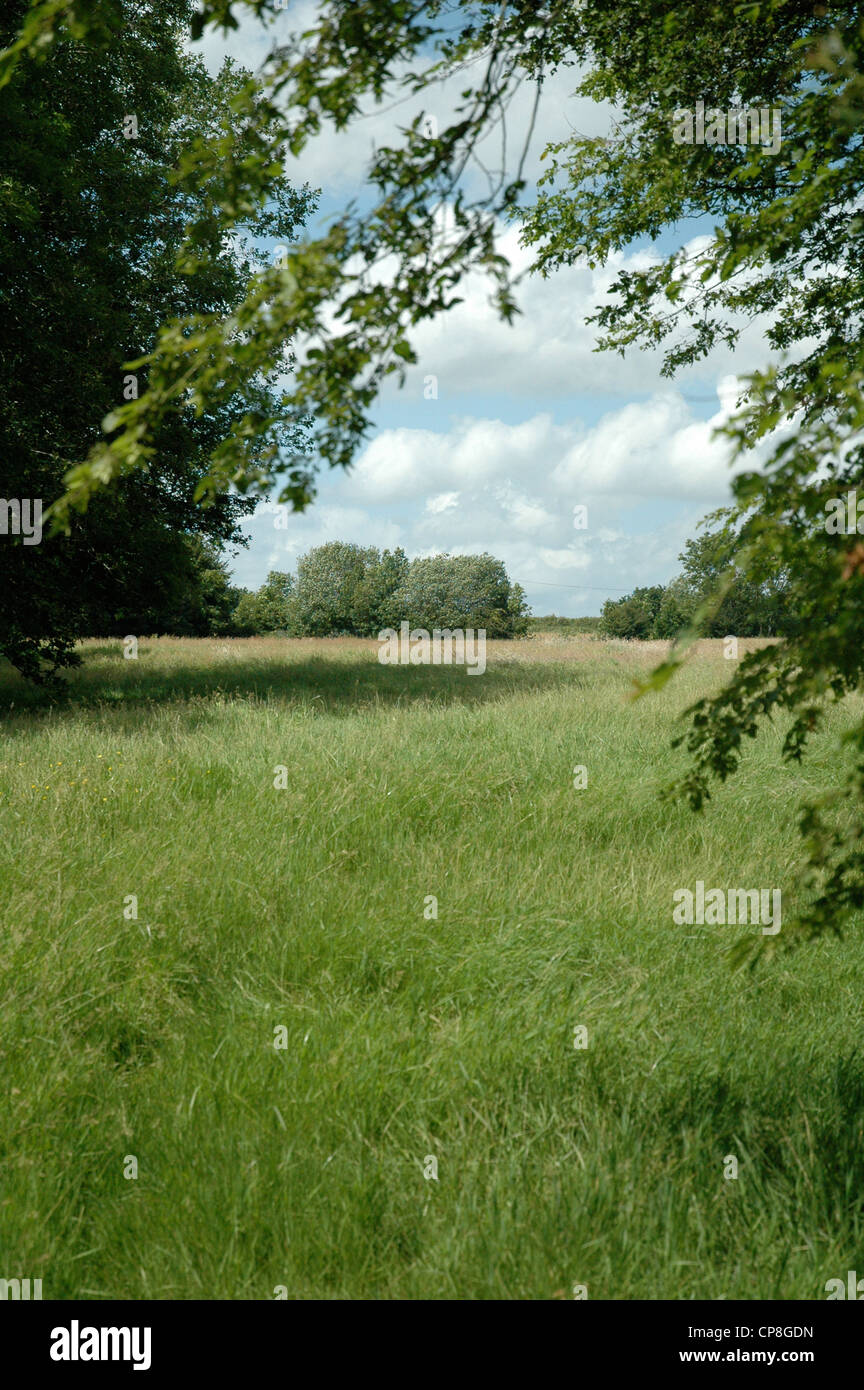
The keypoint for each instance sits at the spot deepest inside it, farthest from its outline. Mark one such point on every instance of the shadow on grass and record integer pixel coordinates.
(793, 1118)
(335, 685)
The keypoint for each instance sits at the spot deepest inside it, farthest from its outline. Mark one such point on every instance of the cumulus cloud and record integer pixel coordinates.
(550, 349)
(444, 502)
(644, 449)
(279, 537)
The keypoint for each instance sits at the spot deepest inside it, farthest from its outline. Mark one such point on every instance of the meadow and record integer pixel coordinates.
(234, 1033)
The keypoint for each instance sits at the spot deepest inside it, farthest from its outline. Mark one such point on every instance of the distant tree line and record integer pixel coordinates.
(339, 589)
(342, 588)
(661, 611)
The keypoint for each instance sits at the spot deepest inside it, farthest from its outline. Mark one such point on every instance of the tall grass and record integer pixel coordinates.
(307, 909)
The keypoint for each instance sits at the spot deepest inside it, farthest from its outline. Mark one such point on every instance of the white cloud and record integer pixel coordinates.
(568, 559)
(549, 351)
(278, 547)
(536, 471)
(339, 159)
(444, 502)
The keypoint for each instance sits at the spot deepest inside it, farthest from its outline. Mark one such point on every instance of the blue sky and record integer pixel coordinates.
(528, 422)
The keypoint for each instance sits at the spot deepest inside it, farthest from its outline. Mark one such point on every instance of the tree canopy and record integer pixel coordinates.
(91, 222)
(357, 590)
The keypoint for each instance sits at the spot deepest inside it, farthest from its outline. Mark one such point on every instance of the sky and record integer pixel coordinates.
(523, 424)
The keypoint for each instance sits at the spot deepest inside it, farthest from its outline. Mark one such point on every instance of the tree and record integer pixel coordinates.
(91, 222)
(373, 600)
(272, 609)
(348, 589)
(633, 616)
(204, 600)
(676, 610)
(187, 593)
(341, 588)
(746, 609)
(786, 242)
(460, 591)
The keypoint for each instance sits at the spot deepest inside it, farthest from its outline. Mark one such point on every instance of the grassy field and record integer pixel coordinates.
(300, 915)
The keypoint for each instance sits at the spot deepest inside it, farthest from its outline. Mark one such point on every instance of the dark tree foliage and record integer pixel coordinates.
(460, 591)
(91, 221)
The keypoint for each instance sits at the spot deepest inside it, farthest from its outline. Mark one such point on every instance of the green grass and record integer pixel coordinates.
(569, 626)
(303, 909)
